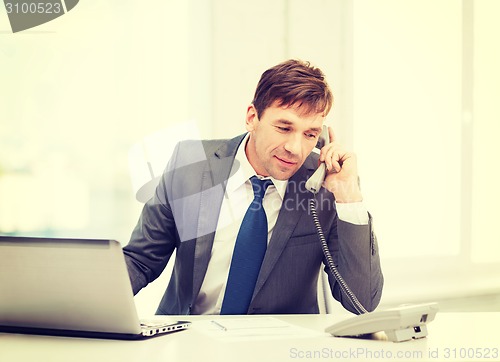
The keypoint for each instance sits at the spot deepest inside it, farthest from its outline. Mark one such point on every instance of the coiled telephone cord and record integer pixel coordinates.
(331, 265)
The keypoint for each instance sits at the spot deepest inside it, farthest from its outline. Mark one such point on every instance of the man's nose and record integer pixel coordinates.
(293, 144)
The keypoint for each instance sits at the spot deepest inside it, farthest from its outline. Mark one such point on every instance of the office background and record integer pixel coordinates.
(416, 86)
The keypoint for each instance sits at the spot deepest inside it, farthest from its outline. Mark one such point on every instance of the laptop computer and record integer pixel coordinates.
(71, 287)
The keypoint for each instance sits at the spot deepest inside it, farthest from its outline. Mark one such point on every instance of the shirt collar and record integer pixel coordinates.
(245, 170)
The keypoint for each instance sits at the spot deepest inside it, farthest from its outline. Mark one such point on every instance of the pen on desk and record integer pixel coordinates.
(219, 325)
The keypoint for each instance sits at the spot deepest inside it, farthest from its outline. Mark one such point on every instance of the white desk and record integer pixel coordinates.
(452, 337)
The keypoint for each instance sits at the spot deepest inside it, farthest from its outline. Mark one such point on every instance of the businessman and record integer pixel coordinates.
(238, 216)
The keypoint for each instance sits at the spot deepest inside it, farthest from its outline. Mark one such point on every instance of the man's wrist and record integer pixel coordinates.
(347, 191)
(350, 198)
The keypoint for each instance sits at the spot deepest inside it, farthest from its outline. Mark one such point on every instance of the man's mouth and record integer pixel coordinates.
(286, 162)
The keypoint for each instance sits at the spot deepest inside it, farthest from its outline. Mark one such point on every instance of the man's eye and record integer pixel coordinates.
(283, 129)
(311, 135)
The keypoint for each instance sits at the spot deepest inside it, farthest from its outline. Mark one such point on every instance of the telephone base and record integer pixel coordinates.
(399, 324)
(406, 334)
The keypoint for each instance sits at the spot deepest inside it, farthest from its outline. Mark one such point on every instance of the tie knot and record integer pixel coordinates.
(259, 186)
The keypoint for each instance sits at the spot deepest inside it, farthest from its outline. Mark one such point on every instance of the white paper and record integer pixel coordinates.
(254, 328)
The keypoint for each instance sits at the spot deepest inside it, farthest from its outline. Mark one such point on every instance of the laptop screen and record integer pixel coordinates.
(69, 284)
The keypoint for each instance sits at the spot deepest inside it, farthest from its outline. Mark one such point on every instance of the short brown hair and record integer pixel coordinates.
(293, 83)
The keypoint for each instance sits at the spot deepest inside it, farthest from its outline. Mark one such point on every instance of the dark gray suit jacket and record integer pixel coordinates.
(183, 216)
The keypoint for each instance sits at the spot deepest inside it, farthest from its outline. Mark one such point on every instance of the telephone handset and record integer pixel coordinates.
(399, 324)
(314, 183)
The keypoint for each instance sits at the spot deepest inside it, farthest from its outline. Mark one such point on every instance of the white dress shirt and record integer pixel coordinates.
(238, 197)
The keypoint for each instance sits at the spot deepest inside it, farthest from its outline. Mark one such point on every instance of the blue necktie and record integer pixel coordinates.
(251, 245)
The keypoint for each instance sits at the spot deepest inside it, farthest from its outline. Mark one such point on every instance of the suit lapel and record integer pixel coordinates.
(220, 159)
(295, 204)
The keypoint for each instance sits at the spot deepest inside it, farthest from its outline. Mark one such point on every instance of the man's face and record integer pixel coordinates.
(281, 139)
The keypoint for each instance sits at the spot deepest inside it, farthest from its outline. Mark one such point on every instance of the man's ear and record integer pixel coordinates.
(251, 119)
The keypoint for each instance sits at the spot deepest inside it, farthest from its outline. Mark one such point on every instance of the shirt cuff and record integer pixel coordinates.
(352, 212)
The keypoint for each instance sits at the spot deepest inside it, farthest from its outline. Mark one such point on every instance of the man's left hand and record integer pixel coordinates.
(342, 172)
